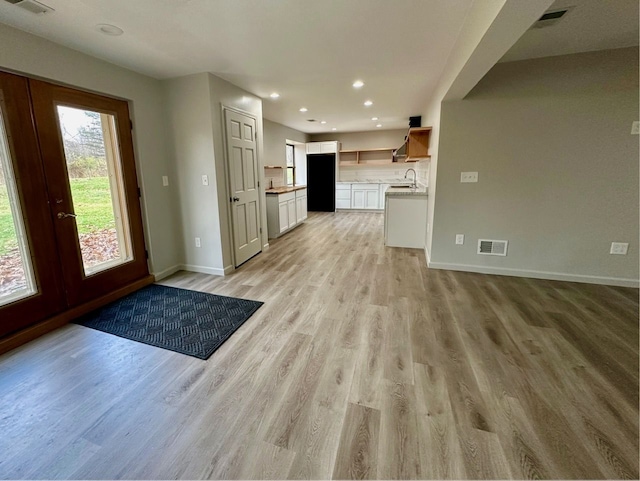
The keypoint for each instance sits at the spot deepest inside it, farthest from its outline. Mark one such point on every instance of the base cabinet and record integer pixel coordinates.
(285, 211)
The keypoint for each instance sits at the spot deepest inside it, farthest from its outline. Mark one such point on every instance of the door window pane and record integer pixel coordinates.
(16, 275)
(97, 189)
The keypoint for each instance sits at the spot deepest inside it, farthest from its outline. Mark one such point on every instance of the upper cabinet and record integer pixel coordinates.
(416, 146)
(331, 147)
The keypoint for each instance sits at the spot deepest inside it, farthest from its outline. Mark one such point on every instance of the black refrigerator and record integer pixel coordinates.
(321, 182)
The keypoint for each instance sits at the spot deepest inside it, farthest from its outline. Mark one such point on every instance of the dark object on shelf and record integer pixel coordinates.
(415, 121)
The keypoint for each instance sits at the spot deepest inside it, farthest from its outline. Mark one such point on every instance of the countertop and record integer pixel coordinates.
(284, 189)
(399, 180)
(420, 191)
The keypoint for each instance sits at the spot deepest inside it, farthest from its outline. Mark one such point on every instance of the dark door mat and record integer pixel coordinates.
(189, 322)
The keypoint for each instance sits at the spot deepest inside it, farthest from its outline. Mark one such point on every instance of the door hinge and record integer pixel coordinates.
(146, 254)
(139, 192)
(131, 124)
(258, 183)
(260, 230)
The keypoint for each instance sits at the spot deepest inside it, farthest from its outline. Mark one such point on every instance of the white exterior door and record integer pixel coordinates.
(243, 175)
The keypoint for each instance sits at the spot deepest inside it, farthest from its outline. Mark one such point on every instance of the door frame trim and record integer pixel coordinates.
(23, 336)
(227, 175)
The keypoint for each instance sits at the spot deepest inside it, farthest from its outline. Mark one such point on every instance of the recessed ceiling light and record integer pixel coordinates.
(323, 121)
(109, 29)
(368, 103)
(379, 125)
(303, 109)
(358, 84)
(334, 128)
(274, 95)
(374, 118)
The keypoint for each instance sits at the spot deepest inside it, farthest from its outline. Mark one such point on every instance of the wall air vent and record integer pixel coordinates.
(552, 17)
(31, 5)
(489, 247)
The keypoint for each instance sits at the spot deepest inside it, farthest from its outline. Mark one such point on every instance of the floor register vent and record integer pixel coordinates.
(492, 247)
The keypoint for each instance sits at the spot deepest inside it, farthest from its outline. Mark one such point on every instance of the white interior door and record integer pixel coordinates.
(243, 176)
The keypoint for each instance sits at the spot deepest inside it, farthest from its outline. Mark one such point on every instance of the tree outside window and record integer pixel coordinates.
(291, 165)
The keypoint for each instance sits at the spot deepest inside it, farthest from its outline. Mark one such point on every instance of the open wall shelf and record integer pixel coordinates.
(366, 157)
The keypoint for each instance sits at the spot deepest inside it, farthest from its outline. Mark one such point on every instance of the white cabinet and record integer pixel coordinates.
(332, 147)
(283, 218)
(291, 212)
(365, 196)
(285, 211)
(405, 221)
(383, 190)
(301, 205)
(343, 195)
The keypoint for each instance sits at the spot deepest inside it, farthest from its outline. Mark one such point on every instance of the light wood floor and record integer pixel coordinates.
(361, 364)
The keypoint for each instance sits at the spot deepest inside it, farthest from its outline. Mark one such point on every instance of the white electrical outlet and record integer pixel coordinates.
(459, 239)
(205, 180)
(619, 248)
(198, 242)
(165, 180)
(467, 177)
(635, 127)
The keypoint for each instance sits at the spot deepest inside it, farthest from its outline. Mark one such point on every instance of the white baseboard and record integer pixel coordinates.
(215, 271)
(228, 270)
(265, 247)
(426, 254)
(554, 276)
(167, 272)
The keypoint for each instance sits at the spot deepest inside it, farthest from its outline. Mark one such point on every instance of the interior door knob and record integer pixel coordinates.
(236, 199)
(64, 215)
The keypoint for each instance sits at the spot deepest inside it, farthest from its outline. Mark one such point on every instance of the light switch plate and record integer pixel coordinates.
(635, 127)
(467, 177)
(198, 242)
(459, 239)
(619, 248)
(165, 180)
(205, 180)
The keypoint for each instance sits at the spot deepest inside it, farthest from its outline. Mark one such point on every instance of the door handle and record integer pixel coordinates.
(236, 199)
(64, 215)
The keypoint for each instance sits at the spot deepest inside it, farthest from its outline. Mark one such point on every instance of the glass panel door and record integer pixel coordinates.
(17, 279)
(95, 177)
(31, 288)
(93, 190)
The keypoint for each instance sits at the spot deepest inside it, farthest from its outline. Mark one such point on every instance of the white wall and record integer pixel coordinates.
(36, 57)
(191, 140)
(372, 139)
(558, 169)
(490, 29)
(275, 139)
(195, 105)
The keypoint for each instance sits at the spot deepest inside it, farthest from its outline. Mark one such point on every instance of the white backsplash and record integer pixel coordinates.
(391, 172)
(274, 177)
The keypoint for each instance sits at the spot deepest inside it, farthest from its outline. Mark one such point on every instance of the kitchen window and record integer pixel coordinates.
(291, 165)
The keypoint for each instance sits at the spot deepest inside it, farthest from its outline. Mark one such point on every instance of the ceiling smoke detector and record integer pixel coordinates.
(31, 5)
(552, 17)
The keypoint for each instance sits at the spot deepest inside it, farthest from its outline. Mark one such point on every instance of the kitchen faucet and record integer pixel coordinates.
(414, 185)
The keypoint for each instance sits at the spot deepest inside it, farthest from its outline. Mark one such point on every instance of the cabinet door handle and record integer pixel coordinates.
(64, 215)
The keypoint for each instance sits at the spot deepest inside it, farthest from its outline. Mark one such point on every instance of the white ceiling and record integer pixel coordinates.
(591, 25)
(309, 51)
